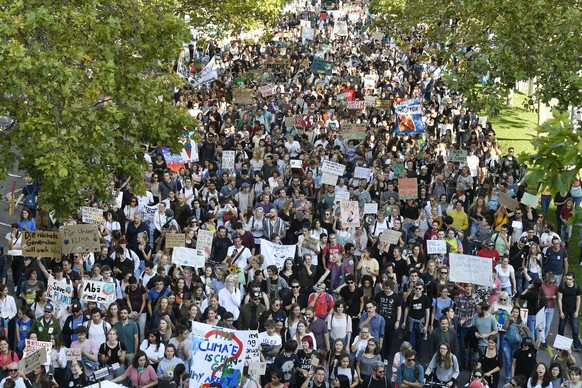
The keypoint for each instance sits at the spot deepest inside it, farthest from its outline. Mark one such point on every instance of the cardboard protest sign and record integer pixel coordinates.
(507, 201)
(340, 28)
(408, 188)
(530, 200)
(33, 360)
(409, 117)
(228, 160)
(257, 368)
(365, 50)
(391, 237)
(42, 244)
(92, 215)
(371, 208)
(99, 292)
(383, 104)
(188, 257)
(333, 168)
(355, 104)
(268, 90)
(218, 355)
(362, 173)
(320, 66)
(342, 196)
(436, 247)
(276, 254)
(73, 354)
(204, 241)
(470, 269)
(242, 96)
(354, 131)
(289, 122)
(459, 156)
(32, 346)
(59, 291)
(562, 343)
(174, 240)
(80, 238)
(369, 101)
(328, 179)
(310, 243)
(277, 61)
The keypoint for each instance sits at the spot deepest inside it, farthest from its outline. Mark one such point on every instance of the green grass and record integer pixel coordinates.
(515, 127)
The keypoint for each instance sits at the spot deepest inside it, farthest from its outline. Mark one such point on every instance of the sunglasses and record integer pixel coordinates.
(350, 282)
(477, 376)
(295, 287)
(411, 359)
(12, 370)
(444, 273)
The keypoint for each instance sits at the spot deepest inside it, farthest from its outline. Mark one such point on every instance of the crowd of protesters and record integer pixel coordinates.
(354, 310)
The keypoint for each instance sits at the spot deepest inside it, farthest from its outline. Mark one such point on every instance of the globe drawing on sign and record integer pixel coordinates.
(109, 289)
(502, 317)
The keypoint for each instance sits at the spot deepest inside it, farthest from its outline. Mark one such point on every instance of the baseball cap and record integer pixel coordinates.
(320, 285)
(244, 185)
(236, 235)
(49, 308)
(76, 307)
(528, 341)
(58, 268)
(256, 294)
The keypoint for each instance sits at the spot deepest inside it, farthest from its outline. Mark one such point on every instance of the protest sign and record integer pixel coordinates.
(409, 117)
(340, 28)
(277, 61)
(295, 163)
(268, 90)
(523, 313)
(307, 33)
(378, 36)
(342, 96)
(204, 241)
(365, 50)
(59, 291)
(398, 166)
(383, 104)
(350, 214)
(289, 122)
(188, 257)
(92, 215)
(408, 188)
(320, 66)
(173, 161)
(459, 156)
(73, 354)
(529, 200)
(328, 178)
(253, 349)
(99, 292)
(482, 121)
(501, 318)
(354, 131)
(42, 244)
(342, 196)
(541, 318)
(174, 240)
(362, 173)
(242, 96)
(33, 360)
(257, 368)
(355, 104)
(470, 269)
(436, 247)
(276, 254)
(304, 121)
(507, 201)
(369, 101)
(218, 356)
(333, 168)
(148, 213)
(228, 160)
(310, 243)
(389, 236)
(562, 343)
(80, 238)
(371, 208)
(32, 346)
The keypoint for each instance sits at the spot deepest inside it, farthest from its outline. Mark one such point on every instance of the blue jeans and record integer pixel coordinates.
(507, 358)
(462, 346)
(531, 325)
(531, 275)
(546, 200)
(415, 336)
(577, 202)
(549, 317)
(519, 281)
(573, 321)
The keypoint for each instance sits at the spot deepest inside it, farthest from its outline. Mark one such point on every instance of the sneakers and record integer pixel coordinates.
(544, 346)
(576, 349)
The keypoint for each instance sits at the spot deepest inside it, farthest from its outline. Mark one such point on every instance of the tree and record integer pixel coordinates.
(503, 41)
(87, 82)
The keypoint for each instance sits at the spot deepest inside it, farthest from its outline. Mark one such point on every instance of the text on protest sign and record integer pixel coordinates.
(42, 244)
(188, 257)
(350, 214)
(268, 90)
(436, 247)
(289, 122)
(59, 291)
(371, 208)
(73, 354)
(458, 156)
(204, 242)
(333, 168)
(295, 163)
(253, 348)
(342, 96)
(355, 104)
(507, 201)
(310, 243)
(563, 343)
(33, 360)
(32, 346)
(369, 101)
(328, 178)
(408, 188)
(342, 196)
(276, 254)
(340, 28)
(80, 238)
(529, 200)
(99, 292)
(174, 240)
(470, 269)
(362, 173)
(228, 159)
(242, 96)
(391, 237)
(92, 215)
(354, 131)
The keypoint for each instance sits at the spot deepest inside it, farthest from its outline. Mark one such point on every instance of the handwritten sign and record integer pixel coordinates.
(383, 104)
(391, 237)
(458, 156)
(328, 179)
(436, 247)
(257, 368)
(529, 200)
(408, 188)
(370, 101)
(342, 96)
(310, 243)
(289, 122)
(80, 238)
(354, 131)
(507, 201)
(350, 214)
(268, 90)
(33, 360)
(242, 96)
(99, 292)
(342, 196)
(59, 291)
(73, 354)
(33, 346)
(563, 343)
(204, 241)
(92, 215)
(42, 244)
(174, 240)
(470, 269)
(188, 257)
(355, 104)
(362, 173)
(228, 160)
(371, 208)
(340, 28)
(333, 168)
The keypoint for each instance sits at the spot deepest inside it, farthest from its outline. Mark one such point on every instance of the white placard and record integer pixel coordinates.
(482, 121)
(228, 160)
(59, 291)
(257, 368)
(436, 247)
(73, 354)
(371, 208)
(340, 28)
(541, 318)
(307, 33)
(204, 241)
(563, 343)
(342, 96)
(530, 200)
(328, 179)
(333, 168)
(296, 163)
(32, 346)
(458, 156)
(470, 269)
(362, 173)
(342, 196)
(99, 292)
(188, 257)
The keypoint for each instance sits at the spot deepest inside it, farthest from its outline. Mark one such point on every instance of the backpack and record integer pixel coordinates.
(102, 324)
(29, 199)
(416, 371)
(512, 336)
(351, 368)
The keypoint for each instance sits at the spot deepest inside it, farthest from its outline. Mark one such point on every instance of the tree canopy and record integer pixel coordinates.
(87, 82)
(504, 41)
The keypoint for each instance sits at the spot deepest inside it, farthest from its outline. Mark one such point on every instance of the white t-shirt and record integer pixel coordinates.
(17, 241)
(269, 342)
(96, 332)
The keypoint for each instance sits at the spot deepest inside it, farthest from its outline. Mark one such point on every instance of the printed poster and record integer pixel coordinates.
(276, 254)
(409, 117)
(350, 214)
(188, 257)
